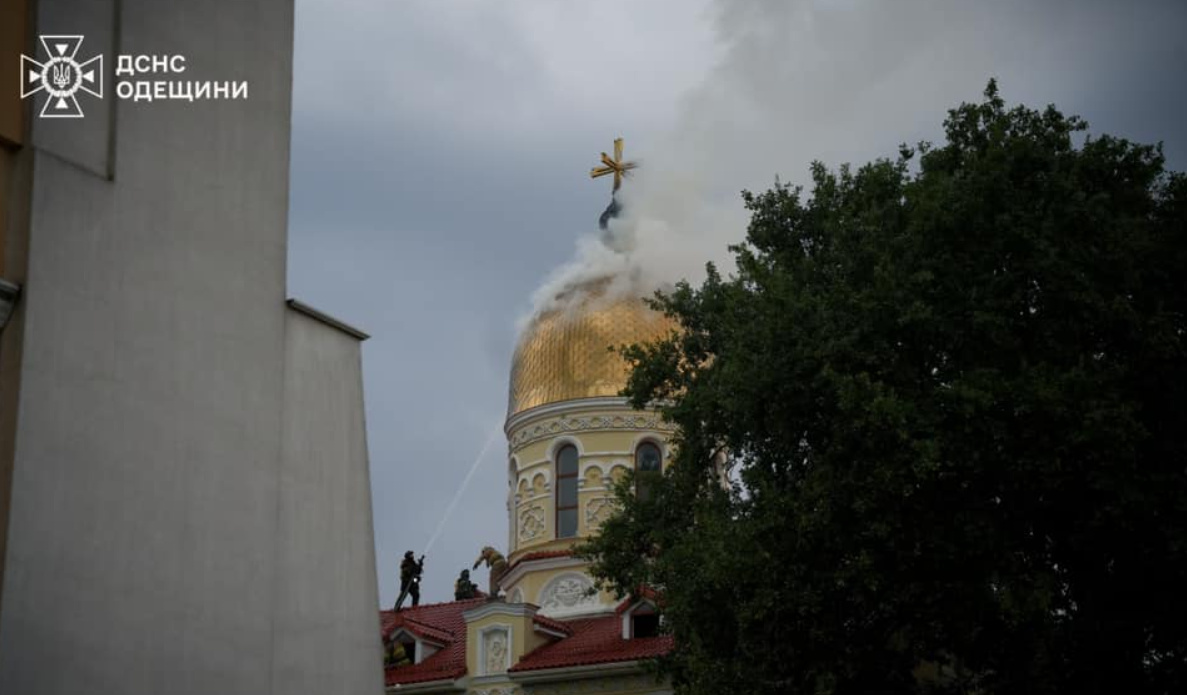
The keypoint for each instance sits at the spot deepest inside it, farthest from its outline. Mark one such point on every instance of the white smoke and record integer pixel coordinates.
(836, 81)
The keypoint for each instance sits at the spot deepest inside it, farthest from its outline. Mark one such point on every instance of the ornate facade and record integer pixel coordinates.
(569, 435)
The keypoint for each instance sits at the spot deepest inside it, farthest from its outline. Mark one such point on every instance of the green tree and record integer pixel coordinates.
(953, 392)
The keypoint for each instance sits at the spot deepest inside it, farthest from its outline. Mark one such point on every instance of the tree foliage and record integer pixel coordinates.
(953, 391)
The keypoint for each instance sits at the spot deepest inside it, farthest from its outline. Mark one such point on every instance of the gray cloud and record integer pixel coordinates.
(440, 152)
(846, 81)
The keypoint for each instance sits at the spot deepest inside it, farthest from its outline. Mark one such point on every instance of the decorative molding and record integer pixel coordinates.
(568, 594)
(598, 509)
(560, 443)
(587, 466)
(531, 523)
(665, 451)
(604, 459)
(610, 474)
(523, 567)
(640, 682)
(563, 408)
(435, 686)
(528, 475)
(499, 607)
(559, 426)
(516, 596)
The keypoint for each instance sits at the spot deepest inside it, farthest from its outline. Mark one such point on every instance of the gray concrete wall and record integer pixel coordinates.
(149, 547)
(327, 637)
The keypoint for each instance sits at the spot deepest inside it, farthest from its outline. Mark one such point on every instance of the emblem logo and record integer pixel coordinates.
(61, 76)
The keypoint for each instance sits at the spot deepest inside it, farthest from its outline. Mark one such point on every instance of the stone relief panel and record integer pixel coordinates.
(495, 646)
(531, 523)
(568, 594)
(598, 509)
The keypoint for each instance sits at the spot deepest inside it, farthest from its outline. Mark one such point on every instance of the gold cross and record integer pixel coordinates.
(613, 166)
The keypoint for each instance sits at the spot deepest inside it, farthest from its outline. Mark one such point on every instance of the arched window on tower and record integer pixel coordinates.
(512, 477)
(566, 492)
(648, 468)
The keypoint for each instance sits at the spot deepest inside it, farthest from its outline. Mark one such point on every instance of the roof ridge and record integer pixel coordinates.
(527, 654)
(553, 624)
(417, 626)
(392, 611)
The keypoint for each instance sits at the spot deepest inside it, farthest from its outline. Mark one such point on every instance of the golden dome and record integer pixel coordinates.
(564, 353)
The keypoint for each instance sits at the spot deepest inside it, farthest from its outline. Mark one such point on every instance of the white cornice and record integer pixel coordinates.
(499, 607)
(563, 408)
(558, 428)
(621, 668)
(496, 679)
(541, 565)
(444, 685)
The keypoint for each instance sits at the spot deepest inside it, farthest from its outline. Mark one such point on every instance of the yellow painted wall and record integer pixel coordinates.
(523, 637)
(604, 454)
(533, 582)
(534, 486)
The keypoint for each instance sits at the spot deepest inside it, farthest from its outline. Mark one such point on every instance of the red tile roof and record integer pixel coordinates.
(643, 592)
(444, 620)
(589, 641)
(594, 641)
(554, 625)
(424, 631)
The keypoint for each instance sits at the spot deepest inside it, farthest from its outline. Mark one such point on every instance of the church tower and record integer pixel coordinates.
(569, 435)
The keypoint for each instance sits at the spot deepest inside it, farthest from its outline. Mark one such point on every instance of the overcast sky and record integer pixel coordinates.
(441, 151)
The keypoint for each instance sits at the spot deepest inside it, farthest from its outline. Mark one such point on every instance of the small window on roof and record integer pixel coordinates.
(644, 622)
(401, 651)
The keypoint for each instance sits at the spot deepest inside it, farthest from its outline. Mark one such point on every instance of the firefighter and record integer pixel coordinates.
(410, 572)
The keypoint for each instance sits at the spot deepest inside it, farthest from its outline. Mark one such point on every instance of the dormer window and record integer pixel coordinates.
(641, 620)
(401, 650)
(405, 649)
(644, 623)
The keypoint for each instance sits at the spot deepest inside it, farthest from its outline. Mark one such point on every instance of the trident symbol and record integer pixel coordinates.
(61, 75)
